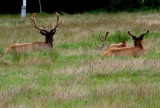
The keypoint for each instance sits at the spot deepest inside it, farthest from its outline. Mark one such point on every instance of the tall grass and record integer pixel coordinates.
(74, 74)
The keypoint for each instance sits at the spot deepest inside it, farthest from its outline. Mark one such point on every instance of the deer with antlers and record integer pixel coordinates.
(37, 46)
(135, 51)
(119, 45)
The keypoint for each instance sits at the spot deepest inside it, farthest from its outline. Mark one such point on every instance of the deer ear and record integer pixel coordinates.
(142, 35)
(42, 32)
(133, 36)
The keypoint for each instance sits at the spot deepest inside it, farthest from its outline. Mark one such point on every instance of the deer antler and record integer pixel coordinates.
(34, 23)
(58, 23)
(133, 36)
(103, 41)
(142, 35)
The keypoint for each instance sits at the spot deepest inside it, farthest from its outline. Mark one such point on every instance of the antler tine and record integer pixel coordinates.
(142, 35)
(102, 40)
(99, 47)
(131, 34)
(34, 23)
(58, 23)
(106, 36)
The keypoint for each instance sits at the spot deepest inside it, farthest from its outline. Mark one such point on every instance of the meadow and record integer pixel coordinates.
(73, 73)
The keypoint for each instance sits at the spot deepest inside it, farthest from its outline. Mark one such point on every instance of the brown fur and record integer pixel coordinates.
(128, 51)
(119, 45)
(36, 46)
(28, 47)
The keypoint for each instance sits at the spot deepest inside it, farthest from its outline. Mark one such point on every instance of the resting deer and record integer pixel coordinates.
(119, 45)
(36, 46)
(135, 51)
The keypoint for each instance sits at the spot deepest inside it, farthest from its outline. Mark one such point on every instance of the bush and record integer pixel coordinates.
(152, 3)
(131, 5)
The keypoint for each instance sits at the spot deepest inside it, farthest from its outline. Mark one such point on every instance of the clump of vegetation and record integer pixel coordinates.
(129, 5)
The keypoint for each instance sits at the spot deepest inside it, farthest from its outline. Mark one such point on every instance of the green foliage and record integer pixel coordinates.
(128, 5)
(118, 36)
(1, 50)
(120, 5)
(152, 3)
(76, 45)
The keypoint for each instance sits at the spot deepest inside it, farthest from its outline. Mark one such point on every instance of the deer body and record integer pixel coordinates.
(37, 46)
(119, 45)
(29, 47)
(128, 51)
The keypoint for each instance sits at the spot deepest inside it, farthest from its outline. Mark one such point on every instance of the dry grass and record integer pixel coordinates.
(74, 74)
(103, 67)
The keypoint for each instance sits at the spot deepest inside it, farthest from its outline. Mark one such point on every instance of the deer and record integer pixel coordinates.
(135, 51)
(37, 46)
(119, 45)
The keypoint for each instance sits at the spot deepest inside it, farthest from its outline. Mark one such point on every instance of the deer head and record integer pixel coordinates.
(138, 40)
(124, 44)
(48, 34)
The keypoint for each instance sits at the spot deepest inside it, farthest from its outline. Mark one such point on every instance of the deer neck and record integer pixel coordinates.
(140, 45)
(49, 42)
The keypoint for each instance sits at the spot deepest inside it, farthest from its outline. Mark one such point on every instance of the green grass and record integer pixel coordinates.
(73, 73)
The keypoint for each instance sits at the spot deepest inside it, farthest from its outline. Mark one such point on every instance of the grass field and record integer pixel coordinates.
(74, 74)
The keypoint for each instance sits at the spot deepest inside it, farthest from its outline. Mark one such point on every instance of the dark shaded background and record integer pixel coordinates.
(78, 6)
(50, 6)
